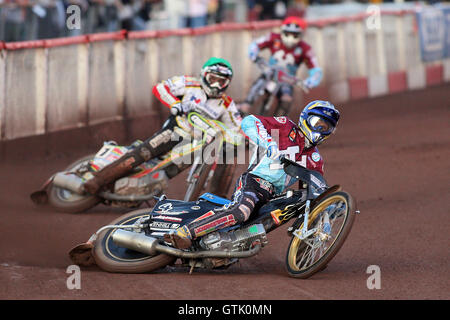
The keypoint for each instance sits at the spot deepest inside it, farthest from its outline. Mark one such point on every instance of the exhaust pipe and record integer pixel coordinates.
(149, 245)
(69, 181)
(135, 241)
(74, 183)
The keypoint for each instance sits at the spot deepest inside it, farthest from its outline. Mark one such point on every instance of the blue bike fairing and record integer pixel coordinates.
(181, 212)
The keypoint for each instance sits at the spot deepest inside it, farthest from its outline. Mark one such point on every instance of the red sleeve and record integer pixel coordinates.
(266, 42)
(272, 122)
(163, 94)
(308, 56)
(314, 160)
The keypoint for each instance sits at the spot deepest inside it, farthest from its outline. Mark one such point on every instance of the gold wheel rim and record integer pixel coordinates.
(296, 242)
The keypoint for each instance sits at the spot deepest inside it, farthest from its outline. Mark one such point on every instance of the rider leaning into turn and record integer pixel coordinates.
(182, 94)
(265, 176)
(289, 51)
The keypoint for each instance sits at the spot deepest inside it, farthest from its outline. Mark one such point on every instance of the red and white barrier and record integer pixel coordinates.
(52, 85)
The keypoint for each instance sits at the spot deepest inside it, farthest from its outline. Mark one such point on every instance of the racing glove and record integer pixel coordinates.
(253, 51)
(177, 109)
(314, 78)
(181, 108)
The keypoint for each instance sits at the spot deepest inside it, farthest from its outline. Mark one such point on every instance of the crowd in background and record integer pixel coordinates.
(42, 19)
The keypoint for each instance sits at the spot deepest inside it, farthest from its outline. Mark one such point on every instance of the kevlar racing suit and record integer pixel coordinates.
(290, 59)
(264, 176)
(186, 94)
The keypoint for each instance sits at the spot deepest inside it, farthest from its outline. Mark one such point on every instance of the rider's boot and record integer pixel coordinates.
(250, 190)
(118, 168)
(180, 238)
(160, 143)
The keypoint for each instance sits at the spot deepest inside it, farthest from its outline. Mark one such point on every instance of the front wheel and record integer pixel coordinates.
(199, 182)
(112, 258)
(308, 256)
(68, 201)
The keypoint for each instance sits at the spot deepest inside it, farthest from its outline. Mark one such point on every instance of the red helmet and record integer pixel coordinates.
(292, 30)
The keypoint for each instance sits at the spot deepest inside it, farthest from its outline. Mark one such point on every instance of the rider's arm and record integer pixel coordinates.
(258, 44)
(314, 160)
(314, 71)
(231, 117)
(168, 91)
(254, 129)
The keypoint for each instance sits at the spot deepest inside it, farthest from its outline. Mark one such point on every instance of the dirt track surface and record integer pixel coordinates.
(390, 153)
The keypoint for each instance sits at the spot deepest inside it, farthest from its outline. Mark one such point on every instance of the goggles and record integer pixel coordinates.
(320, 125)
(215, 80)
(295, 35)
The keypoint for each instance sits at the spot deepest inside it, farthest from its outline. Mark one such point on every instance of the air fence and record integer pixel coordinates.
(51, 85)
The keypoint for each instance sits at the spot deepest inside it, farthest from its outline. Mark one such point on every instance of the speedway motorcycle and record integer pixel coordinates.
(64, 190)
(269, 85)
(134, 243)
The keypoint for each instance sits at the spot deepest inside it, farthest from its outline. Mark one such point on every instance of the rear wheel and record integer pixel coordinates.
(68, 201)
(308, 256)
(112, 258)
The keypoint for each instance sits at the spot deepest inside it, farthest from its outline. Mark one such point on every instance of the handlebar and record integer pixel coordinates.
(297, 171)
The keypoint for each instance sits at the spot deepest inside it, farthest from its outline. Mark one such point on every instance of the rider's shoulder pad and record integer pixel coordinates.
(227, 100)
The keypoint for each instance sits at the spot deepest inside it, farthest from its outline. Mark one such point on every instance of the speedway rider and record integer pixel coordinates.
(289, 51)
(265, 176)
(181, 94)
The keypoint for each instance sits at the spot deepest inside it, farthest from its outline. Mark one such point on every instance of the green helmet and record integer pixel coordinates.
(216, 75)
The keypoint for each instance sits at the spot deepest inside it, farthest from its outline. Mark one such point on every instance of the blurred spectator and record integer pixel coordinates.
(12, 18)
(216, 12)
(127, 12)
(270, 9)
(134, 14)
(39, 19)
(51, 18)
(197, 13)
(146, 10)
(297, 8)
(108, 17)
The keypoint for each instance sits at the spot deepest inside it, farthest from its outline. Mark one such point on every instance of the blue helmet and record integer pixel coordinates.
(318, 120)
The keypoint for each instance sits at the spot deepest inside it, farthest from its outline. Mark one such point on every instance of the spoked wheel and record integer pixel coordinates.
(205, 170)
(68, 201)
(199, 183)
(112, 258)
(222, 179)
(306, 257)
